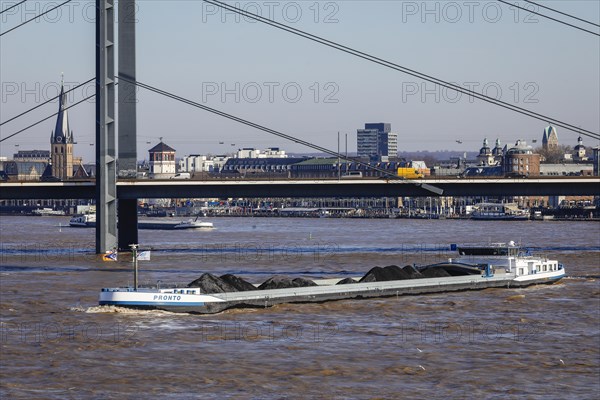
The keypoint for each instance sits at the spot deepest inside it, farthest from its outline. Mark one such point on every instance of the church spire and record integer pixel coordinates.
(62, 133)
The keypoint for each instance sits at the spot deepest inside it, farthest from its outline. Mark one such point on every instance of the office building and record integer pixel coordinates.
(376, 142)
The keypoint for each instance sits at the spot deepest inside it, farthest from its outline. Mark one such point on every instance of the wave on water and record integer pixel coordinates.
(20, 268)
(580, 277)
(53, 268)
(334, 247)
(251, 248)
(119, 310)
(39, 251)
(317, 247)
(151, 313)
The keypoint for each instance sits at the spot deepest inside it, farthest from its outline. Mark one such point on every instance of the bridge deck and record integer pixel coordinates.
(133, 189)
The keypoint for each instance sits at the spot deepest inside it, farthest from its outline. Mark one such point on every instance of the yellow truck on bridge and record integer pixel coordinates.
(409, 173)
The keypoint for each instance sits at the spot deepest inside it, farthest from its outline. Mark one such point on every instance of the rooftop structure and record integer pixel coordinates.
(579, 151)
(162, 161)
(270, 152)
(32, 155)
(550, 138)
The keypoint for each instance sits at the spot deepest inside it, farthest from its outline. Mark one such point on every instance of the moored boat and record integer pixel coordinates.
(83, 221)
(89, 221)
(45, 212)
(499, 212)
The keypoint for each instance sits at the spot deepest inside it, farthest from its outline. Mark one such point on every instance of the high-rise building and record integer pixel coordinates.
(377, 142)
(366, 143)
(61, 142)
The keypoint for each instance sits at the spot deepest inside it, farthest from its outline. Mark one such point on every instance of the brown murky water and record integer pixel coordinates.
(538, 343)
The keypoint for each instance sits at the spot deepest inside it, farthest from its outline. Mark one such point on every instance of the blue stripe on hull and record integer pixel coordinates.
(150, 304)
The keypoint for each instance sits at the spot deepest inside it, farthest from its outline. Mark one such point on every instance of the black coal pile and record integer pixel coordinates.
(238, 283)
(434, 273)
(412, 272)
(389, 273)
(283, 282)
(209, 283)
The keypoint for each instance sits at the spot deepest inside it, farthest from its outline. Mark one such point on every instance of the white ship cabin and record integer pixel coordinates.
(166, 290)
(510, 257)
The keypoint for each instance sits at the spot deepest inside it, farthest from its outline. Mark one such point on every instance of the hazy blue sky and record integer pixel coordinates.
(192, 50)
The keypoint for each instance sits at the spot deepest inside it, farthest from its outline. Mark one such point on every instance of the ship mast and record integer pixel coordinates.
(134, 248)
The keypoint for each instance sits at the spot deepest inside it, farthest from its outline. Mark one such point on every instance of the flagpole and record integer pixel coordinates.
(135, 266)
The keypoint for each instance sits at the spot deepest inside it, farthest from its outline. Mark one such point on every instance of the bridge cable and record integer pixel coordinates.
(547, 17)
(46, 102)
(42, 120)
(11, 7)
(36, 17)
(48, 117)
(393, 176)
(563, 13)
(405, 70)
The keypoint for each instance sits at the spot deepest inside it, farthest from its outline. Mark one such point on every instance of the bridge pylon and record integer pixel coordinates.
(106, 180)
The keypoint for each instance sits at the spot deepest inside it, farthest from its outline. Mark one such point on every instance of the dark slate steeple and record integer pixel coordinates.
(62, 133)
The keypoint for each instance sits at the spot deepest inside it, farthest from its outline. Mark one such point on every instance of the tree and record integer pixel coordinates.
(553, 155)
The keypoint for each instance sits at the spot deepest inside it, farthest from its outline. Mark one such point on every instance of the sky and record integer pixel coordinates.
(304, 89)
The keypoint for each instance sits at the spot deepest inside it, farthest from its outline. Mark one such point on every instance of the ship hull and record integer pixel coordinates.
(214, 303)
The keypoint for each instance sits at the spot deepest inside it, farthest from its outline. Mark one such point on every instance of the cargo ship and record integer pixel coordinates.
(496, 265)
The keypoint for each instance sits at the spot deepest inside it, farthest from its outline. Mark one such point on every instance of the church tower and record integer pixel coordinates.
(61, 142)
(550, 138)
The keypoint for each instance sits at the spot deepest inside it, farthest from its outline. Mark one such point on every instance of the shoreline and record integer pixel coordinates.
(313, 216)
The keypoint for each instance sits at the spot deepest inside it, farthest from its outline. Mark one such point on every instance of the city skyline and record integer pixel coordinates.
(526, 61)
(233, 152)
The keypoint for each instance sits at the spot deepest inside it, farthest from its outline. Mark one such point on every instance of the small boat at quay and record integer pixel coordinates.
(83, 221)
(499, 212)
(496, 265)
(45, 212)
(89, 221)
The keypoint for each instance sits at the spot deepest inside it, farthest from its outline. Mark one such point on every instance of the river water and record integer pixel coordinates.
(537, 343)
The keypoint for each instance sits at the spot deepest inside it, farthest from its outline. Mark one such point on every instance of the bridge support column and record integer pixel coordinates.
(106, 180)
(128, 223)
(127, 121)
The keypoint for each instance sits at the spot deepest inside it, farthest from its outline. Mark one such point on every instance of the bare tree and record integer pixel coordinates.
(553, 155)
